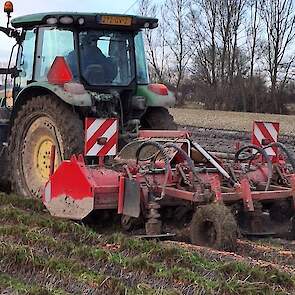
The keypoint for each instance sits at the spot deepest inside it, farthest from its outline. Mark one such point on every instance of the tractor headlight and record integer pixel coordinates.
(81, 21)
(66, 20)
(51, 21)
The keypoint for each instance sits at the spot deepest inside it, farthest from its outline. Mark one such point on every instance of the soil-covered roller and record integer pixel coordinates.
(214, 225)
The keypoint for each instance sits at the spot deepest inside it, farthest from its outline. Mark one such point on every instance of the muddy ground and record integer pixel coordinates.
(231, 120)
(225, 140)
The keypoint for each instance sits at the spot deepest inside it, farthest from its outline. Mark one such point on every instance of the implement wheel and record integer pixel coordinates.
(41, 122)
(158, 118)
(281, 211)
(214, 226)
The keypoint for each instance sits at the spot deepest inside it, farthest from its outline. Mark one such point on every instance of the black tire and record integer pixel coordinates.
(281, 211)
(158, 118)
(4, 168)
(214, 226)
(41, 122)
(128, 223)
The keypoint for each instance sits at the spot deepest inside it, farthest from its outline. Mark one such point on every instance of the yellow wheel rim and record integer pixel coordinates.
(41, 135)
(42, 156)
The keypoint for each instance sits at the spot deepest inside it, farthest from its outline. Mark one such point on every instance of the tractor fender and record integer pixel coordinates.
(156, 100)
(40, 88)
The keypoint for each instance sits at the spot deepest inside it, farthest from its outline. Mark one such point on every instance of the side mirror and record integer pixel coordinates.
(8, 8)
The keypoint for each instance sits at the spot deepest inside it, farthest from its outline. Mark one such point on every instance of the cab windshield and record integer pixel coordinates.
(106, 57)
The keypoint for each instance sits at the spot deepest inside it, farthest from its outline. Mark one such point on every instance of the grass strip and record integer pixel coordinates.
(22, 202)
(196, 262)
(17, 286)
(24, 256)
(84, 253)
(193, 261)
(78, 232)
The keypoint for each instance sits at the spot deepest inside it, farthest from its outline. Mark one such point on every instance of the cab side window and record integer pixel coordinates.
(53, 42)
(26, 59)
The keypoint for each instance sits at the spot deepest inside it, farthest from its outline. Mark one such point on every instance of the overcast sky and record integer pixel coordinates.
(22, 7)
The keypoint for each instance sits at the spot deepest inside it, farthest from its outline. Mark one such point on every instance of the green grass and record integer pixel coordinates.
(22, 202)
(15, 285)
(30, 238)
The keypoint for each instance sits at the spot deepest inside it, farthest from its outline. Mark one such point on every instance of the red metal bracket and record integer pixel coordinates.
(216, 187)
(121, 195)
(52, 160)
(245, 191)
(163, 133)
(292, 182)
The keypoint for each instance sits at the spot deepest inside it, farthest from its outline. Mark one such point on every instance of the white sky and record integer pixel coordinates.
(22, 7)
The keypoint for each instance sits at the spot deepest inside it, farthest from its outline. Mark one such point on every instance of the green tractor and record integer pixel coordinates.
(70, 66)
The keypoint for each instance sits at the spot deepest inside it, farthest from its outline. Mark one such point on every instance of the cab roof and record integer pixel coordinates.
(91, 19)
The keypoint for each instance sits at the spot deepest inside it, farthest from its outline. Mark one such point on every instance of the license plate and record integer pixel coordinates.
(116, 20)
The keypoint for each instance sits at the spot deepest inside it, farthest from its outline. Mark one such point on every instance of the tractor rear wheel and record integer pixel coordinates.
(214, 226)
(158, 118)
(41, 122)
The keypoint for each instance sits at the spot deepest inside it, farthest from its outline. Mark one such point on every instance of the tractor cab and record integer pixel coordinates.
(99, 51)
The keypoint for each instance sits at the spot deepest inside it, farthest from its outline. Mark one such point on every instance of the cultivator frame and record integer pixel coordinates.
(175, 172)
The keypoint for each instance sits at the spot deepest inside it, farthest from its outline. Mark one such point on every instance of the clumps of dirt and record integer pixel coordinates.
(279, 257)
(221, 131)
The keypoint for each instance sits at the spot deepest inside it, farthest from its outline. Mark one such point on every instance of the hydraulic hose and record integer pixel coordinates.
(165, 157)
(264, 154)
(187, 158)
(285, 150)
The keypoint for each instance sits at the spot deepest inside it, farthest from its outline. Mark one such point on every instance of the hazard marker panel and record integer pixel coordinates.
(101, 137)
(265, 133)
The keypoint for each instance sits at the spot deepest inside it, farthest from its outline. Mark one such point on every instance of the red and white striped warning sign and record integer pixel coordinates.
(265, 133)
(101, 137)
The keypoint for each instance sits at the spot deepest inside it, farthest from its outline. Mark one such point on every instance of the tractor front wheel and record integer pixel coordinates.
(214, 226)
(40, 123)
(158, 118)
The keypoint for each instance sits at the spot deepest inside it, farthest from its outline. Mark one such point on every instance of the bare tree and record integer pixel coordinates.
(203, 22)
(230, 18)
(204, 40)
(279, 21)
(217, 28)
(175, 19)
(253, 31)
(155, 43)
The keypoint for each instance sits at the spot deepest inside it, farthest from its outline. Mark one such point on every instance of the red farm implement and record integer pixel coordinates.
(163, 176)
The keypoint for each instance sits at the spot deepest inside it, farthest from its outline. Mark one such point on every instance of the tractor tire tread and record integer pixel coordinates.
(158, 118)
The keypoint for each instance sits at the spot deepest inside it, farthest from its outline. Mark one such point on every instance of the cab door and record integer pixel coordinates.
(25, 62)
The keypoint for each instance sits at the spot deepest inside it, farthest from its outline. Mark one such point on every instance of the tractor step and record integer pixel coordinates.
(3, 133)
(4, 124)
(160, 237)
(258, 234)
